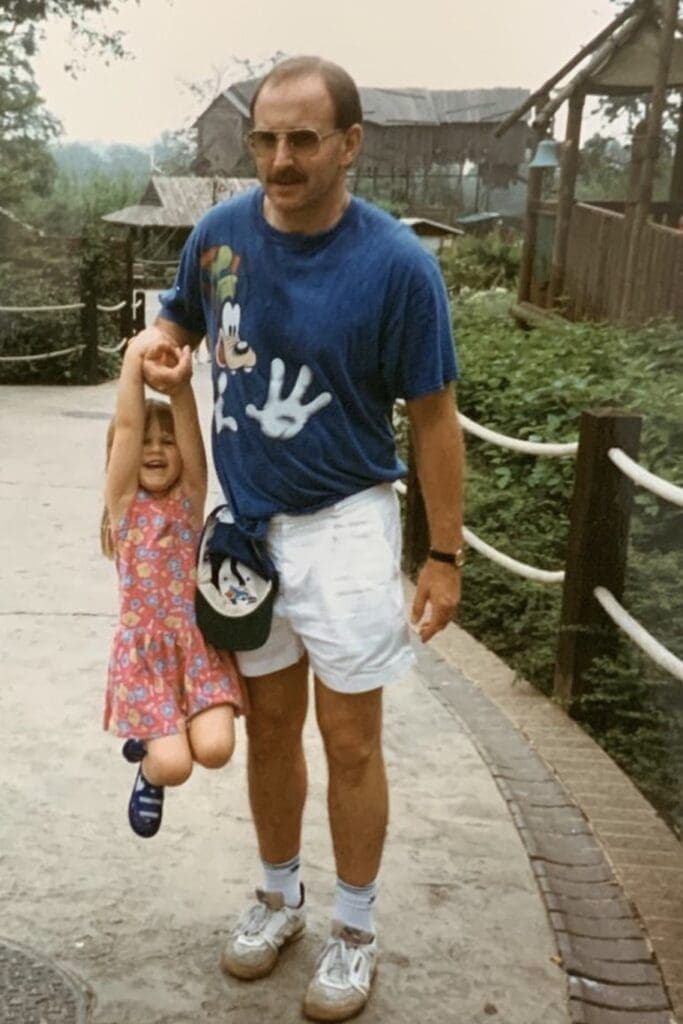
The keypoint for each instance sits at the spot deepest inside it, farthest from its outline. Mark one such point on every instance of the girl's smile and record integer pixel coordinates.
(161, 463)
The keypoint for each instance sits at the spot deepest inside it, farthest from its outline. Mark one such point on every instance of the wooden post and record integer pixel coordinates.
(654, 131)
(597, 546)
(127, 315)
(534, 193)
(565, 202)
(89, 324)
(416, 528)
(676, 187)
(138, 310)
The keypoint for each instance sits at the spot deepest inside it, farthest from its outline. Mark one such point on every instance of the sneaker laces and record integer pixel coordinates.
(255, 919)
(335, 960)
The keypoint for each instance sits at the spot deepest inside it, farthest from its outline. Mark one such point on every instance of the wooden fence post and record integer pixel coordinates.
(138, 310)
(597, 546)
(416, 528)
(127, 315)
(89, 324)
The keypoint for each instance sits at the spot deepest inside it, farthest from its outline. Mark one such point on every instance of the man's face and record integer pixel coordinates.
(302, 186)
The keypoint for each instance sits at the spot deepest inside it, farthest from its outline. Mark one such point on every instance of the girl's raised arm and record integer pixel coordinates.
(190, 443)
(123, 467)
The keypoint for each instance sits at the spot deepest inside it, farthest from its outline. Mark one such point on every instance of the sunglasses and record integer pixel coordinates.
(300, 141)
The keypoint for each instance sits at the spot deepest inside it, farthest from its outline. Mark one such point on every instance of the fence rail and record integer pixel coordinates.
(596, 264)
(596, 559)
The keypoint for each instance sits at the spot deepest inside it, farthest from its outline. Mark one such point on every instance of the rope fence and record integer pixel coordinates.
(42, 355)
(662, 488)
(658, 653)
(102, 308)
(642, 477)
(42, 309)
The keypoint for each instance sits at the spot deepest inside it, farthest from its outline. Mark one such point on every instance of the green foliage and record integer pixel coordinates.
(46, 271)
(535, 385)
(477, 263)
(88, 184)
(26, 127)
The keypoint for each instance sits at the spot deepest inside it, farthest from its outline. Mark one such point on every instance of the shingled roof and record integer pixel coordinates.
(413, 106)
(178, 202)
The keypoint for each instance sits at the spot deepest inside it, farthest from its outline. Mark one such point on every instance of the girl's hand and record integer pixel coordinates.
(165, 366)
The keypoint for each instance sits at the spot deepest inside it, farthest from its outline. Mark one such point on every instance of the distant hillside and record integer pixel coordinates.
(110, 161)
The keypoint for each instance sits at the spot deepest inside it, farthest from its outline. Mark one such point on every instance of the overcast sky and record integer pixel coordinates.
(428, 43)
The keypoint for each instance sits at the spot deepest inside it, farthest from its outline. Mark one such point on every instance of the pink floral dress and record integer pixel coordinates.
(161, 670)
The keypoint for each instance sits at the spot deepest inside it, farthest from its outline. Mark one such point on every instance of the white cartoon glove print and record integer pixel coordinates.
(283, 418)
(220, 420)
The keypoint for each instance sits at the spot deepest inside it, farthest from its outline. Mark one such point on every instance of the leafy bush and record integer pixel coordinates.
(478, 263)
(535, 385)
(47, 272)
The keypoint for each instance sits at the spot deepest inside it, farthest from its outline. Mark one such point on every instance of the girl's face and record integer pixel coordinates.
(161, 463)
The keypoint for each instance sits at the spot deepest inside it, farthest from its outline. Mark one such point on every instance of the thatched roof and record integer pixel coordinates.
(178, 202)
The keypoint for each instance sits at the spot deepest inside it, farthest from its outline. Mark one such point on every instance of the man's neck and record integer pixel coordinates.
(307, 222)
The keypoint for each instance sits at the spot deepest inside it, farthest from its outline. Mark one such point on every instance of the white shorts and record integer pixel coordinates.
(340, 598)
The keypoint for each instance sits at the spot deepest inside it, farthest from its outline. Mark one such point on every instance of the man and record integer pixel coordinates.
(321, 310)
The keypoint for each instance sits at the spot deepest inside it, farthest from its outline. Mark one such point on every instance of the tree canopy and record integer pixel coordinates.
(26, 126)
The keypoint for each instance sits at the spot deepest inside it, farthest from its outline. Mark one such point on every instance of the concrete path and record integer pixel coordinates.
(465, 935)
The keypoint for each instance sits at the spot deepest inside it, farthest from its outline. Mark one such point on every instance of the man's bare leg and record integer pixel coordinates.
(276, 768)
(358, 803)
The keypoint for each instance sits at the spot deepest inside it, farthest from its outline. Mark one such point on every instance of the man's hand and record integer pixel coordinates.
(436, 598)
(166, 366)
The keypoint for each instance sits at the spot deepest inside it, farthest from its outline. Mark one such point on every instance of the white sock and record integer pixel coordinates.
(284, 878)
(354, 904)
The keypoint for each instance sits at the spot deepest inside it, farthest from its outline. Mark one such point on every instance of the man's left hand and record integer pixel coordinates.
(436, 598)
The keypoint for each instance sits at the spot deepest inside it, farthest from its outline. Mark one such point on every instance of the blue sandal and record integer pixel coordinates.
(145, 806)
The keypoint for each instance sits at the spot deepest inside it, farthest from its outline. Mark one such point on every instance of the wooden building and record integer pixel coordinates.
(417, 143)
(168, 210)
(606, 260)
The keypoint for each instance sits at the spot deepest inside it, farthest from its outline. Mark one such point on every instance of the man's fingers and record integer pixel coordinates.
(419, 604)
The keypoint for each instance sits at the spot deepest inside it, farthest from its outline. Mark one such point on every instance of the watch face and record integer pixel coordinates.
(459, 558)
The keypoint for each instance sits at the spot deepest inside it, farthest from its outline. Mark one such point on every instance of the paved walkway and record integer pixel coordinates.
(484, 839)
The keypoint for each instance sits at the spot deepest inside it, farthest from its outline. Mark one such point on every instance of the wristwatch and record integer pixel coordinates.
(455, 558)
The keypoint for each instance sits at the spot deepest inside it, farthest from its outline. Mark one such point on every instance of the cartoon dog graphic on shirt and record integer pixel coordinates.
(233, 354)
(281, 417)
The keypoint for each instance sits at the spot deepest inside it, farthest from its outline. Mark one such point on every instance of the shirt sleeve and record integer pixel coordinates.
(418, 353)
(182, 303)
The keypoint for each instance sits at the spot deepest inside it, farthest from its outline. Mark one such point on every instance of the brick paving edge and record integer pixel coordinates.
(620, 969)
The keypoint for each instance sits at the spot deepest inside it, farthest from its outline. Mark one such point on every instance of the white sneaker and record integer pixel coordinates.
(341, 984)
(260, 934)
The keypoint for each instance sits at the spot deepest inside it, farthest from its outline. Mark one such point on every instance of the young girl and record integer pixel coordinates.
(170, 694)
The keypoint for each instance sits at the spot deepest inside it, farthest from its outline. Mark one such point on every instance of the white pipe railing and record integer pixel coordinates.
(656, 484)
(663, 657)
(517, 444)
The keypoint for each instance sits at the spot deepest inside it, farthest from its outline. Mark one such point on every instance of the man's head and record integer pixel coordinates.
(338, 82)
(306, 117)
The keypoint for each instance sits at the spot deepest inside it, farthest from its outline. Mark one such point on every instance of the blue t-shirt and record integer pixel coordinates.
(312, 337)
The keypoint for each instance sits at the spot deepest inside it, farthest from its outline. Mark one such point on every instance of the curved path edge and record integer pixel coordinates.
(609, 870)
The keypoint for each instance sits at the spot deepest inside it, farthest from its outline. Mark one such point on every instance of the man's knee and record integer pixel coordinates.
(349, 750)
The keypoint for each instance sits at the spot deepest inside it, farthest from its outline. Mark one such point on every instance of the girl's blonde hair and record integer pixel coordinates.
(156, 411)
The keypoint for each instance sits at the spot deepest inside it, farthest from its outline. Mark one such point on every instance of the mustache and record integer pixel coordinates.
(287, 177)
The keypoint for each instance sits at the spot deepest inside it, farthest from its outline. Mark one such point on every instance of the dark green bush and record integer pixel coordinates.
(534, 385)
(47, 272)
(473, 263)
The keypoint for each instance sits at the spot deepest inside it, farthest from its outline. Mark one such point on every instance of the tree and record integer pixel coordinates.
(175, 152)
(26, 126)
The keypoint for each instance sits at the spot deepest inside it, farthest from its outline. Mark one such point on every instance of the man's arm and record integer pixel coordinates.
(440, 458)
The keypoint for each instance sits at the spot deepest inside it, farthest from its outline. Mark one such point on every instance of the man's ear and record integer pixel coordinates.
(353, 140)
